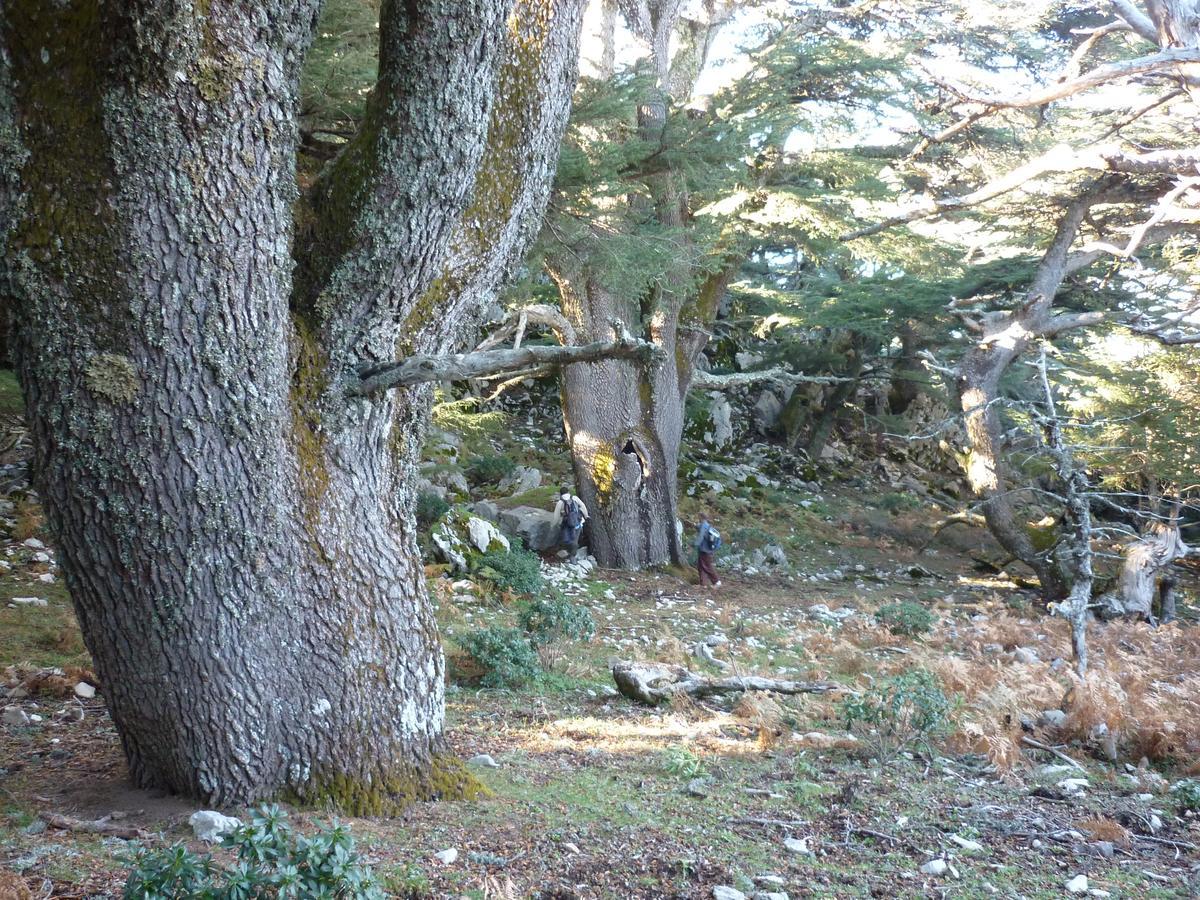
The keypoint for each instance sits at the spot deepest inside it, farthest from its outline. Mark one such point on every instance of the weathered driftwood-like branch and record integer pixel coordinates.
(462, 366)
(518, 320)
(652, 683)
(707, 381)
(99, 826)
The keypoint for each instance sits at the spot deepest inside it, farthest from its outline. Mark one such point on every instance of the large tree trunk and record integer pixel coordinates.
(236, 533)
(624, 423)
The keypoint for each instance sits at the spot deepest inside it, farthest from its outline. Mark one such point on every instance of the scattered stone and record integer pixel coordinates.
(1052, 719)
(486, 509)
(14, 716)
(1104, 848)
(446, 857)
(724, 892)
(934, 867)
(483, 534)
(1156, 824)
(1074, 786)
(771, 895)
(798, 846)
(84, 691)
(34, 544)
(532, 524)
(1078, 885)
(210, 826)
(520, 480)
(1052, 769)
(30, 601)
(483, 759)
(697, 787)
(1026, 656)
(571, 847)
(771, 880)
(967, 844)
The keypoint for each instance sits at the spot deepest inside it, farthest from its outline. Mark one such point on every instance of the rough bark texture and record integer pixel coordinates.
(236, 535)
(1145, 560)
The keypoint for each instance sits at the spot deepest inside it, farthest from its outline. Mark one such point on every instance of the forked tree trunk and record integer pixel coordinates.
(236, 533)
(1145, 560)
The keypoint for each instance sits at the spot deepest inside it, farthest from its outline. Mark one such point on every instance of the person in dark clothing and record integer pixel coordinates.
(708, 541)
(569, 516)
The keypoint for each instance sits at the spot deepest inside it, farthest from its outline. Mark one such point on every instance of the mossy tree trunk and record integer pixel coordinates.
(235, 530)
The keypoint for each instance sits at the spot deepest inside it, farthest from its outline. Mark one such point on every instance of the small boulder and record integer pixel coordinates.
(14, 716)
(1025, 655)
(935, 867)
(799, 846)
(967, 844)
(210, 826)
(520, 480)
(484, 760)
(725, 892)
(1052, 719)
(446, 857)
(1078, 885)
(484, 534)
(84, 691)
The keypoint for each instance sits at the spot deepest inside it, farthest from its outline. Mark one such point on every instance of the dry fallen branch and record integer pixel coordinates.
(102, 825)
(652, 683)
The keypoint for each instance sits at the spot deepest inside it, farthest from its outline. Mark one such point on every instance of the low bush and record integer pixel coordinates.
(682, 762)
(547, 619)
(907, 618)
(898, 712)
(489, 469)
(503, 654)
(517, 570)
(272, 861)
(895, 503)
(430, 509)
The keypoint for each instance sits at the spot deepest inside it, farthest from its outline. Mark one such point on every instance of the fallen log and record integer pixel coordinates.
(652, 683)
(102, 825)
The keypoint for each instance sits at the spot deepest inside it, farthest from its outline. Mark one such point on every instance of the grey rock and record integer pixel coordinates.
(799, 846)
(1052, 719)
(1025, 655)
(453, 480)
(425, 486)
(534, 526)
(767, 410)
(14, 716)
(486, 509)
(697, 787)
(446, 857)
(520, 480)
(747, 360)
(724, 892)
(1077, 885)
(935, 867)
(771, 895)
(721, 414)
(84, 691)
(484, 760)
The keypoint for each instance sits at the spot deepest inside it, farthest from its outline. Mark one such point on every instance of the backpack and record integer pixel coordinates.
(712, 540)
(572, 514)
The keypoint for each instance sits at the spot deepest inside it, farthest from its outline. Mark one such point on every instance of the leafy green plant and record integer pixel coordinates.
(548, 618)
(504, 654)
(430, 509)
(272, 861)
(517, 569)
(409, 882)
(489, 469)
(898, 712)
(1186, 794)
(895, 502)
(682, 762)
(907, 618)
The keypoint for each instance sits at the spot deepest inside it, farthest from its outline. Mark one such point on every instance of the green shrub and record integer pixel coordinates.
(897, 712)
(430, 509)
(489, 469)
(272, 861)
(409, 882)
(905, 618)
(504, 654)
(517, 570)
(1186, 794)
(682, 762)
(895, 502)
(548, 618)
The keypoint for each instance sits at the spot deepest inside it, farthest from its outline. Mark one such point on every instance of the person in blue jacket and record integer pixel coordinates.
(708, 541)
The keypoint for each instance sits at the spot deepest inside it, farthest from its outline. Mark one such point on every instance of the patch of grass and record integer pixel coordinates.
(11, 401)
(907, 619)
(41, 636)
(895, 503)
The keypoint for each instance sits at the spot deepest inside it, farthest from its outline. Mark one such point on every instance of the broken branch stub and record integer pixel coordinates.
(652, 683)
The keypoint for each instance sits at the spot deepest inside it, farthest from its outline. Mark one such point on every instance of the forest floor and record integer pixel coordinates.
(594, 796)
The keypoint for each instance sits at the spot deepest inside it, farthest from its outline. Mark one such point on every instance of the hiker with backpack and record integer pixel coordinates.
(708, 542)
(569, 515)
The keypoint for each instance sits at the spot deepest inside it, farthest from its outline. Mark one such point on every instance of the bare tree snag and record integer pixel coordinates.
(1145, 560)
(652, 683)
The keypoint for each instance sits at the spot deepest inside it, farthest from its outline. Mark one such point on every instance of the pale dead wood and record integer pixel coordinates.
(102, 825)
(652, 683)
